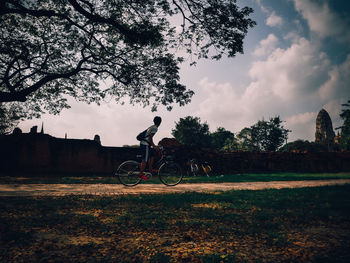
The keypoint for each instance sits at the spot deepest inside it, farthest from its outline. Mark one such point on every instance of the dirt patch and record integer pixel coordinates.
(117, 189)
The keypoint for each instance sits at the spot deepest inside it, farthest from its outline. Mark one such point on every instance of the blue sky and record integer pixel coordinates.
(296, 61)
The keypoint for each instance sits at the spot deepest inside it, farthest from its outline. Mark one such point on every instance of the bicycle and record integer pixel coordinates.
(168, 171)
(196, 169)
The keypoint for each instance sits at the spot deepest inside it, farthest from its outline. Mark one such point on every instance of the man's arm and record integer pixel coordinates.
(151, 141)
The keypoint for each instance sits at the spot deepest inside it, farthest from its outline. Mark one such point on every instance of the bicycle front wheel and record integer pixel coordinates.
(128, 173)
(170, 174)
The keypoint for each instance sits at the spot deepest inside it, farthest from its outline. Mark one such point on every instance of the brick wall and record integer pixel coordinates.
(33, 154)
(41, 153)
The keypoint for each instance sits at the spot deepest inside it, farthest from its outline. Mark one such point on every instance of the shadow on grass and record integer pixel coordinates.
(176, 227)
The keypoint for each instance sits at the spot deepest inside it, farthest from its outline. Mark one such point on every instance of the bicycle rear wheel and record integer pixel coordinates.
(170, 174)
(128, 173)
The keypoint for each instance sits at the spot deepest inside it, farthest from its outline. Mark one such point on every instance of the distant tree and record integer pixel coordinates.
(345, 128)
(190, 131)
(8, 119)
(303, 146)
(131, 146)
(263, 136)
(270, 135)
(220, 137)
(247, 140)
(231, 144)
(51, 50)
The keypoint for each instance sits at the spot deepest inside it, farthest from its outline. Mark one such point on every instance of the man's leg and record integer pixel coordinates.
(142, 166)
(150, 163)
(153, 154)
(145, 156)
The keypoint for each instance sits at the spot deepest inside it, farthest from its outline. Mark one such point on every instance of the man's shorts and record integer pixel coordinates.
(147, 151)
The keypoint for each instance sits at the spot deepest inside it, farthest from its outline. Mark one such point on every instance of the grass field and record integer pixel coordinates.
(288, 225)
(73, 179)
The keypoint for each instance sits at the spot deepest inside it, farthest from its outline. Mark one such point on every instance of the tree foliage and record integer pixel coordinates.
(220, 138)
(190, 131)
(246, 140)
(8, 119)
(263, 136)
(231, 144)
(51, 50)
(345, 128)
(304, 146)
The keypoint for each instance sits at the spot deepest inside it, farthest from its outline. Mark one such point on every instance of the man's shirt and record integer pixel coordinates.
(151, 130)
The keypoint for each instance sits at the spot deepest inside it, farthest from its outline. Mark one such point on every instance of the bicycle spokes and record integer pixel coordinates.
(170, 174)
(128, 173)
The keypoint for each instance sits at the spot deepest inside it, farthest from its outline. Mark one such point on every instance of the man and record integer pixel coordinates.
(148, 148)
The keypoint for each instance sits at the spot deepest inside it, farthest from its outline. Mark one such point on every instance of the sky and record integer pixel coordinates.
(296, 61)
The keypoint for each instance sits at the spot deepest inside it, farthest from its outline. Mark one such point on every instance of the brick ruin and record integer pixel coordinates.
(324, 129)
(38, 153)
(44, 155)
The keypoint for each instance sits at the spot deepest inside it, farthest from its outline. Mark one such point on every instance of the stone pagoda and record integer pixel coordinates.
(324, 129)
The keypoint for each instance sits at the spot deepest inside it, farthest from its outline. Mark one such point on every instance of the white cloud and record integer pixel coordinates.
(263, 8)
(266, 46)
(339, 83)
(303, 126)
(289, 82)
(322, 20)
(274, 20)
(116, 124)
(221, 106)
(290, 73)
(293, 36)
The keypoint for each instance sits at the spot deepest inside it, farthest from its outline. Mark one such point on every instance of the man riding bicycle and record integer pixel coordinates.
(148, 148)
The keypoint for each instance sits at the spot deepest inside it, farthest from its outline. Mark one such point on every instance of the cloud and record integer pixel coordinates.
(116, 124)
(221, 106)
(263, 8)
(303, 126)
(323, 21)
(274, 20)
(295, 83)
(291, 73)
(266, 46)
(338, 84)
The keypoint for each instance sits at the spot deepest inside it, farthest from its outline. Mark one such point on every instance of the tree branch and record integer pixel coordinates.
(22, 94)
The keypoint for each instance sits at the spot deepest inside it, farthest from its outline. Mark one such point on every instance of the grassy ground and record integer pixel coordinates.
(73, 179)
(288, 225)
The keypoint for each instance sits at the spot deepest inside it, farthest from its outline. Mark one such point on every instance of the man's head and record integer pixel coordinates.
(157, 120)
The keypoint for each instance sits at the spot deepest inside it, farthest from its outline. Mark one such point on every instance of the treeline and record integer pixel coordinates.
(262, 136)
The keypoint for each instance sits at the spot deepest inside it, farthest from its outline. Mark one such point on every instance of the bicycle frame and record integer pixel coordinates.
(158, 164)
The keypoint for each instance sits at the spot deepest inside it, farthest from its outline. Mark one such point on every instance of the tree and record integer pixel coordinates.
(345, 128)
(263, 136)
(304, 146)
(51, 50)
(270, 135)
(220, 137)
(246, 140)
(231, 144)
(190, 131)
(8, 119)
